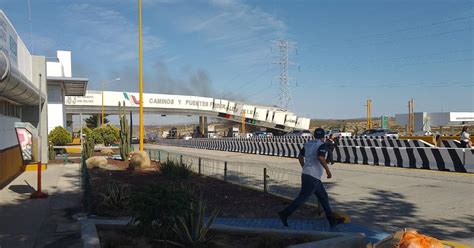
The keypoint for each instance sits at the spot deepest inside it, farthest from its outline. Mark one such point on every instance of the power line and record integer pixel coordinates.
(31, 26)
(403, 29)
(251, 81)
(391, 85)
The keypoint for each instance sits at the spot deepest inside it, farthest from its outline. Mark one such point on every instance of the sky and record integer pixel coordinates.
(342, 52)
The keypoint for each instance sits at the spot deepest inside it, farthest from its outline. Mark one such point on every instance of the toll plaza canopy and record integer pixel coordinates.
(265, 116)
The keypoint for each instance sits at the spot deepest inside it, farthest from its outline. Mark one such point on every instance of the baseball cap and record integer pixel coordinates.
(319, 133)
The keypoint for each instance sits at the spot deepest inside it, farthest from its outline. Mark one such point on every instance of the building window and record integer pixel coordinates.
(10, 109)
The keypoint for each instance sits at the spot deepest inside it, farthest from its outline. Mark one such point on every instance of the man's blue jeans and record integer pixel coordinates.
(309, 186)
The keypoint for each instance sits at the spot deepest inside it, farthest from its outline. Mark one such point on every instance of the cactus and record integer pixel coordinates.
(51, 151)
(124, 133)
(88, 146)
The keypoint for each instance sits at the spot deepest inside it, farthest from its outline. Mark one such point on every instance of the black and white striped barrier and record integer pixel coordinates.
(451, 143)
(383, 142)
(443, 159)
(433, 158)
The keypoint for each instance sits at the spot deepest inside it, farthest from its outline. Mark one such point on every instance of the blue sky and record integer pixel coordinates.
(346, 51)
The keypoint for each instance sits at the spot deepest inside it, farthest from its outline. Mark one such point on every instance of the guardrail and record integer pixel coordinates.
(414, 156)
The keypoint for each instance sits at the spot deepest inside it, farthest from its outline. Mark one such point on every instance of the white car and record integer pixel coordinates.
(380, 132)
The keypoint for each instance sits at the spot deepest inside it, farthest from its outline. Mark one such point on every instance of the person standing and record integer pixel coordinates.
(313, 160)
(331, 144)
(465, 138)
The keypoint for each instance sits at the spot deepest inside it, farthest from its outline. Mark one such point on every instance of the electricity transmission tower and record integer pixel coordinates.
(284, 47)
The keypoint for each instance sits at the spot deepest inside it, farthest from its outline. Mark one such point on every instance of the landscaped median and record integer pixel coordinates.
(166, 202)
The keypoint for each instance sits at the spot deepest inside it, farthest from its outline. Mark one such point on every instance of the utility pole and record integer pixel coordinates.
(284, 47)
(243, 121)
(409, 118)
(369, 113)
(412, 115)
(140, 65)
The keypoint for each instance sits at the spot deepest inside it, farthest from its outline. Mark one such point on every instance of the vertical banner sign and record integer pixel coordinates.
(384, 121)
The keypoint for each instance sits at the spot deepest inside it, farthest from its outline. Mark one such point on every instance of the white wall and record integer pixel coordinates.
(8, 136)
(55, 116)
(54, 69)
(24, 62)
(62, 67)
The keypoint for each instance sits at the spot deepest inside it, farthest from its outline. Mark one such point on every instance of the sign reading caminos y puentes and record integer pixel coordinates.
(220, 105)
(164, 101)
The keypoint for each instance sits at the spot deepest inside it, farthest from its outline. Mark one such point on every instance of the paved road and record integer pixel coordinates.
(436, 203)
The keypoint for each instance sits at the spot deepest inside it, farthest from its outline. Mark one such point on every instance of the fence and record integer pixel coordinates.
(259, 176)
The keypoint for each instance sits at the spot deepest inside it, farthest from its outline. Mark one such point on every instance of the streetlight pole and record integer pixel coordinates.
(140, 71)
(103, 115)
(38, 194)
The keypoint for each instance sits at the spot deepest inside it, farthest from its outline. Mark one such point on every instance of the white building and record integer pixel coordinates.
(424, 121)
(24, 79)
(61, 84)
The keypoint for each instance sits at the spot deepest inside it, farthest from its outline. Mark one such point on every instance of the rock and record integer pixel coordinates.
(96, 161)
(107, 152)
(139, 160)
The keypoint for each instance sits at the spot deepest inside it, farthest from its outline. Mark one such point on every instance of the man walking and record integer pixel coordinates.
(313, 160)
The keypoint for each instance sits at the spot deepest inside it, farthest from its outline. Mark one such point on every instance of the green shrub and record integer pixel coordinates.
(116, 196)
(86, 131)
(105, 135)
(156, 209)
(190, 228)
(174, 170)
(59, 136)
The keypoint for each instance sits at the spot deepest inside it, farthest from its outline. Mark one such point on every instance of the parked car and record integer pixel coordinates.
(380, 132)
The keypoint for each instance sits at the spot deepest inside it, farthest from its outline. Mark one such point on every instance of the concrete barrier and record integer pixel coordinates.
(383, 152)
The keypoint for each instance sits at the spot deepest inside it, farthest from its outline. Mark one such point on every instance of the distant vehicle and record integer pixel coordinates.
(262, 134)
(380, 132)
(187, 137)
(299, 133)
(135, 140)
(337, 133)
(245, 135)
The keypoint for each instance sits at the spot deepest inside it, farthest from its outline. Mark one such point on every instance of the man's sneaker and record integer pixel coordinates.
(335, 221)
(283, 218)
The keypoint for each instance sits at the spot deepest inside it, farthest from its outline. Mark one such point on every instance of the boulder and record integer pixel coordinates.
(107, 151)
(96, 161)
(139, 160)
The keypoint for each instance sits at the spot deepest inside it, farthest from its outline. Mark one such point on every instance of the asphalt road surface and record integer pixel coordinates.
(440, 204)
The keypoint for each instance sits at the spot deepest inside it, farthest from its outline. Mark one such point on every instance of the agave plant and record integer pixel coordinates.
(191, 229)
(116, 195)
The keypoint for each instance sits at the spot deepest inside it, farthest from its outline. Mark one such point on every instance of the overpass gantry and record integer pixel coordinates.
(258, 115)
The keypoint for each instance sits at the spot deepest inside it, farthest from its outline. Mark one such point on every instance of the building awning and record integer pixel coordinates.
(72, 86)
